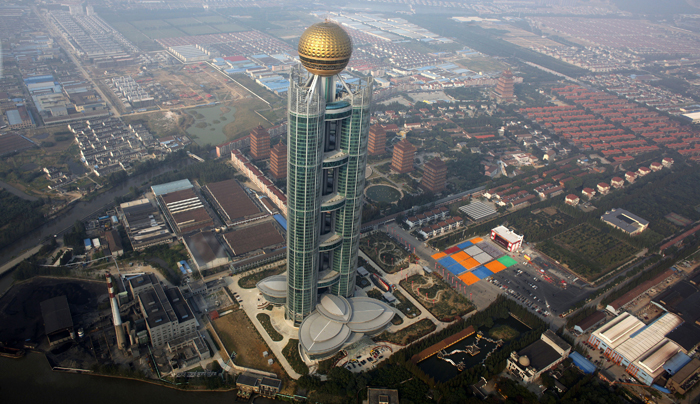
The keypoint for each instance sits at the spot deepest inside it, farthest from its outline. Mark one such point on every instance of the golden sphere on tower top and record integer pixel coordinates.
(325, 49)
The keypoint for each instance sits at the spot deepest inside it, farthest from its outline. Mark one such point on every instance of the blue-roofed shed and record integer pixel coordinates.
(582, 363)
(676, 363)
(281, 220)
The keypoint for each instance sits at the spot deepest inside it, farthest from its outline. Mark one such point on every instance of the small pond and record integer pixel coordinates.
(209, 123)
(383, 193)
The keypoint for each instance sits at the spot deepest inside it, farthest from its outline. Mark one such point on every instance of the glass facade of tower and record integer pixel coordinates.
(328, 127)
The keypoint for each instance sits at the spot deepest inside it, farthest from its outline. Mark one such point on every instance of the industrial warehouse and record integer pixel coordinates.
(144, 224)
(205, 250)
(256, 245)
(184, 211)
(642, 349)
(232, 202)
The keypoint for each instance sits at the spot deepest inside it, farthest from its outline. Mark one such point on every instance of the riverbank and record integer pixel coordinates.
(31, 379)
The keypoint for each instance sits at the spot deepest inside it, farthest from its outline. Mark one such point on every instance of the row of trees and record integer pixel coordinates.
(206, 172)
(18, 217)
(691, 246)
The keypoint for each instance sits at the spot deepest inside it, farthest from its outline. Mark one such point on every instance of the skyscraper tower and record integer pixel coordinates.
(328, 125)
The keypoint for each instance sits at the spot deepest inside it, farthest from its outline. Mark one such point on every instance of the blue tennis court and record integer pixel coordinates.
(482, 272)
(464, 245)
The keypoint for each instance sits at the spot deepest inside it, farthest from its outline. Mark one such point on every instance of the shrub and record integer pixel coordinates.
(267, 325)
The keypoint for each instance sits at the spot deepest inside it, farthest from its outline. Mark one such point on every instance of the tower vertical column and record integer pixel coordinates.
(305, 133)
(351, 184)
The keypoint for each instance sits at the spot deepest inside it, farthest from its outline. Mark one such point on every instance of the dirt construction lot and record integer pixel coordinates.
(240, 336)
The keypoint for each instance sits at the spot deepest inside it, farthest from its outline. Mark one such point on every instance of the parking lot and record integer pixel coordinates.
(365, 358)
(529, 286)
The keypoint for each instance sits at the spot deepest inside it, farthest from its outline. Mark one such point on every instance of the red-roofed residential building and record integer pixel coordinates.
(655, 166)
(588, 192)
(617, 182)
(667, 162)
(642, 171)
(603, 188)
(571, 199)
(630, 176)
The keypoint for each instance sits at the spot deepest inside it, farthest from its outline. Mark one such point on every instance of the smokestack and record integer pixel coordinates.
(116, 317)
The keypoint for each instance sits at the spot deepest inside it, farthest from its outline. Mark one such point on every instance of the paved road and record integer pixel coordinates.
(8, 265)
(59, 38)
(17, 192)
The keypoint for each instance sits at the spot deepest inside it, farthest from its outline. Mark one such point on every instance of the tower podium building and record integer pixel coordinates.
(328, 126)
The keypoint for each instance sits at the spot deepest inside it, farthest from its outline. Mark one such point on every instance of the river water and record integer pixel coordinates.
(79, 211)
(31, 380)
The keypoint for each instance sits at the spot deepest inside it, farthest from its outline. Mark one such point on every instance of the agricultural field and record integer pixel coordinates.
(588, 251)
(213, 19)
(482, 64)
(385, 252)
(437, 297)
(199, 30)
(135, 36)
(144, 31)
(541, 223)
(229, 27)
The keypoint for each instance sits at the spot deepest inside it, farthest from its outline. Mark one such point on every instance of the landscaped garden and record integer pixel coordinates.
(409, 333)
(267, 325)
(291, 352)
(437, 297)
(249, 281)
(405, 306)
(385, 252)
